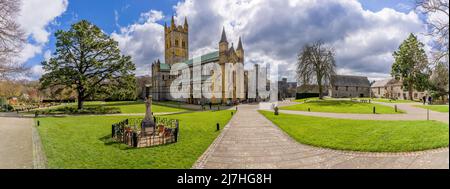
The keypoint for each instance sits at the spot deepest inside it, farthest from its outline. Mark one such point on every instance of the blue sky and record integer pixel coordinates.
(112, 15)
(101, 13)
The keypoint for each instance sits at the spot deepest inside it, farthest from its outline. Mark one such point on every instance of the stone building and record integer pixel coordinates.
(177, 51)
(348, 86)
(393, 89)
(286, 89)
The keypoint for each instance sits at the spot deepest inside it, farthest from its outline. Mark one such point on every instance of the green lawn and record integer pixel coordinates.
(84, 142)
(306, 99)
(126, 106)
(341, 106)
(363, 135)
(135, 106)
(386, 100)
(437, 108)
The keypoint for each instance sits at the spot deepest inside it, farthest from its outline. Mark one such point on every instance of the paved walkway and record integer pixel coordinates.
(412, 113)
(16, 149)
(252, 141)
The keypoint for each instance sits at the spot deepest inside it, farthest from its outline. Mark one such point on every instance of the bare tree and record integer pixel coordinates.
(12, 37)
(316, 64)
(437, 12)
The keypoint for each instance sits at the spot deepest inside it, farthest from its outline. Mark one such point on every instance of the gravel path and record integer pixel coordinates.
(16, 149)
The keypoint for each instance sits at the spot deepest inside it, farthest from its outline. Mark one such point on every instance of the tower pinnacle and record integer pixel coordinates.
(224, 36)
(239, 47)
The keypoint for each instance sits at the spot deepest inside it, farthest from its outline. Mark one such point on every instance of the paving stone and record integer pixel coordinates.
(16, 147)
(250, 141)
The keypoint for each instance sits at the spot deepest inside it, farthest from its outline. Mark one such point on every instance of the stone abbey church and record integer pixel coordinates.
(176, 39)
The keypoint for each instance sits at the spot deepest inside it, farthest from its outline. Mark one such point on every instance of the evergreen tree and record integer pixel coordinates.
(89, 61)
(411, 65)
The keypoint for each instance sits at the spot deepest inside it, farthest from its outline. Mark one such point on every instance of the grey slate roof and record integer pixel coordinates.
(206, 58)
(387, 82)
(350, 80)
(381, 83)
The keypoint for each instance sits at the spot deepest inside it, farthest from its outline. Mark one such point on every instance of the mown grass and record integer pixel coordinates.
(386, 100)
(136, 107)
(121, 106)
(363, 135)
(84, 142)
(306, 99)
(437, 108)
(341, 106)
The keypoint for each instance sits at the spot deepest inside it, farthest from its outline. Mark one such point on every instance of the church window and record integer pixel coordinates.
(356, 88)
(346, 88)
(176, 42)
(183, 44)
(336, 88)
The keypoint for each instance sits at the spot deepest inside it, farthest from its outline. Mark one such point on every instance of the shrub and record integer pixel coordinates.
(6, 108)
(86, 110)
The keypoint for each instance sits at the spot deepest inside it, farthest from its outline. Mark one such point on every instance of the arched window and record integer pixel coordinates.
(183, 44)
(176, 42)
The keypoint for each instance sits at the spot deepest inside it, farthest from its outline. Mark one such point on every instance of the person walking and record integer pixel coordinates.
(430, 100)
(424, 99)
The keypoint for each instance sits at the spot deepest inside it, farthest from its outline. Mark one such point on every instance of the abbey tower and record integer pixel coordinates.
(176, 45)
(176, 39)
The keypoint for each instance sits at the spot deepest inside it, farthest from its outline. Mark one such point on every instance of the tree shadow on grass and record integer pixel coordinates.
(339, 103)
(109, 141)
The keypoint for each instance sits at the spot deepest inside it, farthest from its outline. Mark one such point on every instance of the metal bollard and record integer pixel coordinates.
(38, 123)
(231, 113)
(113, 129)
(395, 106)
(428, 114)
(135, 139)
(217, 127)
(374, 110)
(309, 109)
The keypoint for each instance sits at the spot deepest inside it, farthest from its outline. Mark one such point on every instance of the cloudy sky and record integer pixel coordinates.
(363, 33)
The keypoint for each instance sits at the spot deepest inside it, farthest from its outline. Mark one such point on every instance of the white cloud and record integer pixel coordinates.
(143, 41)
(29, 51)
(274, 31)
(35, 18)
(35, 15)
(47, 55)
(36, 71)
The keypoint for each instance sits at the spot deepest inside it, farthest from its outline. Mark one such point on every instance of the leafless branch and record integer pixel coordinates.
(12, 38)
